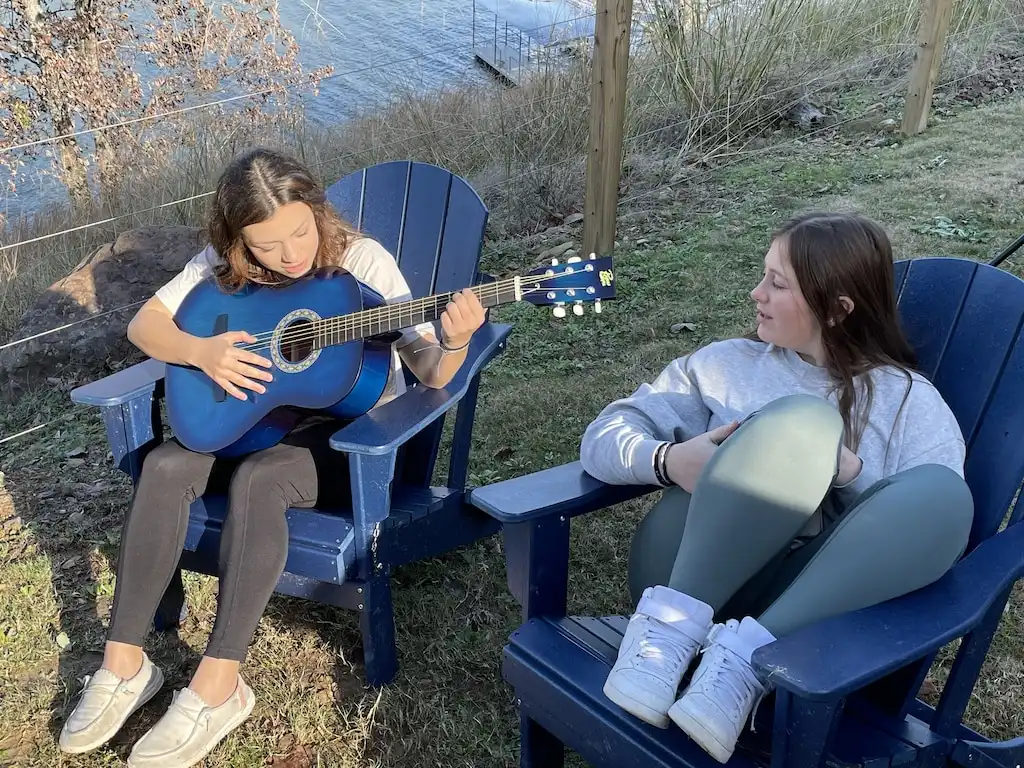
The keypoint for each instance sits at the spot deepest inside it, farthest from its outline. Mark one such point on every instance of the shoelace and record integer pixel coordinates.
(734, 676)
(663, 648)
(201, 718)
(91, 694)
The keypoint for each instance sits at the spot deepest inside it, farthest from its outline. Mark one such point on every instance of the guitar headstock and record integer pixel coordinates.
(574, 282)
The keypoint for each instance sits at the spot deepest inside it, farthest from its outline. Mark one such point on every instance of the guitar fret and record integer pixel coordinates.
(388, 317)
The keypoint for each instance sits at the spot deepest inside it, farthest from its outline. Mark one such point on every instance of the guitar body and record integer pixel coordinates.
(343, 380)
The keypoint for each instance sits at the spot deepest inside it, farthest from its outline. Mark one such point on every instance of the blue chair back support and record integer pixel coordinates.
(431, 220)
(433, 223)
(965, 321)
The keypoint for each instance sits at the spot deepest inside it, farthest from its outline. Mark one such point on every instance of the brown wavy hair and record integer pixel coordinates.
(252, 187)
(847, 254)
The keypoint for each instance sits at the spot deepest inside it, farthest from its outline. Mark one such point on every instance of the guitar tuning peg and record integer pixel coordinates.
(558, 310)
(593, 257)
(573, 259)
(554, 262)
(577, 308)
(597, 306)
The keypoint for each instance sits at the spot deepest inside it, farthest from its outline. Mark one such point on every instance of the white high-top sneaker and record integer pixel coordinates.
(724, 689)
(661, 640)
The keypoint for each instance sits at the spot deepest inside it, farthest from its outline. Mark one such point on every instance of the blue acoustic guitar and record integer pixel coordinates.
(329, 342)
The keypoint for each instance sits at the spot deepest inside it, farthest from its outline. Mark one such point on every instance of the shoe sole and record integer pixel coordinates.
(700, 734)
(227, 728)
(636, 708)
(151, 690)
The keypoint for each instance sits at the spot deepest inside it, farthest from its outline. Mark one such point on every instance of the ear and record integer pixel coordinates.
(847, 304)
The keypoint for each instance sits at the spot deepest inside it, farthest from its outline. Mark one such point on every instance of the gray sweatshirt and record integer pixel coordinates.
(728, 380)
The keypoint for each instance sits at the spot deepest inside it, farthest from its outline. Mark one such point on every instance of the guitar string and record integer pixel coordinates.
(387, 313)
(307, 333)
(312, 335)
(395, 310)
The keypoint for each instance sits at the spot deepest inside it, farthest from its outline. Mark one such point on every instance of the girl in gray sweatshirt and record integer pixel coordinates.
(808, 471)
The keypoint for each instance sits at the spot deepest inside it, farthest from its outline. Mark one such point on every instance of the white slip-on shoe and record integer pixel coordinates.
(190, 729)
(107, 702)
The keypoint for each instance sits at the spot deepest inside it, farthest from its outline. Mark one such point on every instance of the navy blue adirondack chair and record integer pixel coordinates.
(433, 222)
(847, 687)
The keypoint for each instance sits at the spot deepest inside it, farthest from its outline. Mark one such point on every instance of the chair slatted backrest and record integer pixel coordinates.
(965, 320)
(431, 220)
(433, 223)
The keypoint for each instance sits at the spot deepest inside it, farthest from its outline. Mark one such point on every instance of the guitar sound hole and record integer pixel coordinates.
(297, 343)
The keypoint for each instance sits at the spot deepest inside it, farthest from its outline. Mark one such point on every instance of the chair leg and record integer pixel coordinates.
(377, 624)
(803, 730)
(170, 613)
(538, 748)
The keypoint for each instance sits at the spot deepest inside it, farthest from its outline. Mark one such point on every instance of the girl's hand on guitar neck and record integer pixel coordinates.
(461, 318)
(434, 365)
(229, 365)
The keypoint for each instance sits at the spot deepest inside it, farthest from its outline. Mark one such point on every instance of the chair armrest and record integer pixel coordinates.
(384, 429)
(564, 490)
(122, 387)
(837, 656)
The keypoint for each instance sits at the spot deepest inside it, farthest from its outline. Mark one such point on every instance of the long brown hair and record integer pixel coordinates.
(847, 254)
(250, 190)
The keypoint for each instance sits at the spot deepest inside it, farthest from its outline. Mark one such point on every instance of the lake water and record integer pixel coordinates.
(417, 44)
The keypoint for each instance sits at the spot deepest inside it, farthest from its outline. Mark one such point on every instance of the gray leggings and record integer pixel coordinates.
(730, 544)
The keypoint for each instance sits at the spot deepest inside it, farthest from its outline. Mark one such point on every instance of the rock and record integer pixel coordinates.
(558, 250)
(573, 218)
(124, 272)
(805, 115)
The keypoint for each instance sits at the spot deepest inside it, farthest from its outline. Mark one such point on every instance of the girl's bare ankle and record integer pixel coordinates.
(215, 680)
(123, 660)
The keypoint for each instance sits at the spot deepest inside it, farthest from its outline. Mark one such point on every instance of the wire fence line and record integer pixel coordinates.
(802, 87)
(436, 131)
(447, 49)
(737, 156)
(741, 155)
(884, 20)
(638, 72)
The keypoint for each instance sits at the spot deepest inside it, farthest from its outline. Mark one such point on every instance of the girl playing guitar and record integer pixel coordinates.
(270, 223)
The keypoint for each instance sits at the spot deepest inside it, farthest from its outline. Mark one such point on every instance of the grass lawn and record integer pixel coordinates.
(688, 255)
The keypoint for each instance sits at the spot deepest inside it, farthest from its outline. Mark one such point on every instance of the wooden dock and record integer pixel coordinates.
(507, 61)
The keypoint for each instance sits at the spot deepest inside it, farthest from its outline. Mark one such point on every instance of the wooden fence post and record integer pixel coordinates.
(931, 41)
(607, 118)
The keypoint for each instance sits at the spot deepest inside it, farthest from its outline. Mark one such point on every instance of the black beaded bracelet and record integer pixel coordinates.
(446, 348)
(660, 468)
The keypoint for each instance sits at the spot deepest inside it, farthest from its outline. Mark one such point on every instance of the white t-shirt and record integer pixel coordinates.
(366, 259)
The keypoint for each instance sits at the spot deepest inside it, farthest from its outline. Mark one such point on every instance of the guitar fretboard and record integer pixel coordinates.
(394, 317)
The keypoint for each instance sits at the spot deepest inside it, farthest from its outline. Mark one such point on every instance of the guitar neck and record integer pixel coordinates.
(394, 317)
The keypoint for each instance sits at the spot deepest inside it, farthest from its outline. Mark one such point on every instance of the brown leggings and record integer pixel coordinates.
(301, 471)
